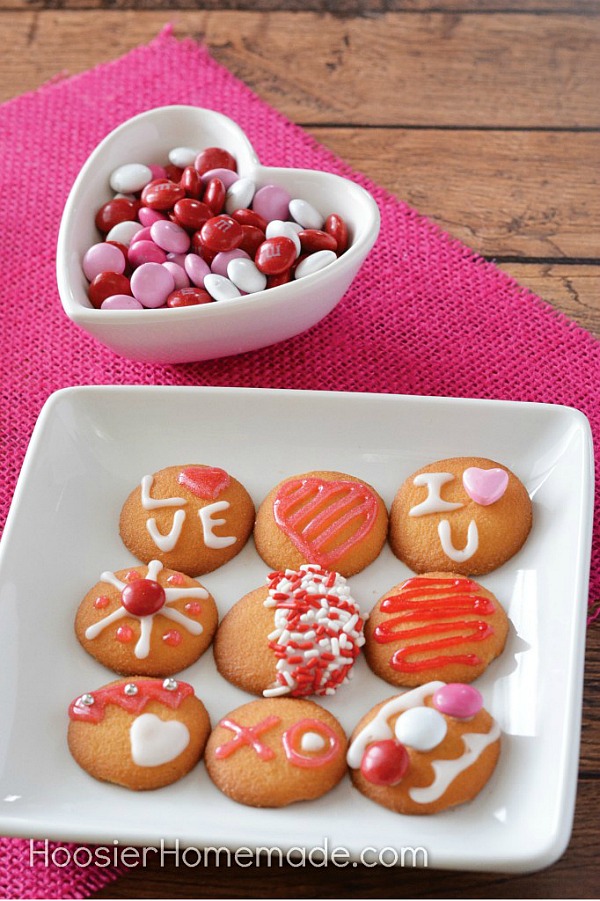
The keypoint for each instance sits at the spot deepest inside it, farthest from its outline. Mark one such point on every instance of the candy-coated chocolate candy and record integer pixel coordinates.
(191, 213)
(252, 238)
(305, 214)
(143, 597)
(183, 156)
(191, 182)
(275, 255)
(188, 297)
(221, 233)
(123, 232)
(314, 262)
(384, 762)
(104, 257)
(313, 239)
(278, 227)
(458, 700)
(144, 234)
(114, 211)
(178, 258)
(272, 202)
(121, 302)
(240, 194)
(145, 252)
(421, 728)
(130, 178)
(221, 261)
(105, 285)
(173, 173)
(250, 217)
(151, 284)
(282, 278)
(220, 288)
(157, 171)
(227, 176)
(214, 158)
(196, 269)
(245, 275)
(179, 274)
(170, 236)
(147, 216)
(162, 195)
(214, 195)
(337, 228)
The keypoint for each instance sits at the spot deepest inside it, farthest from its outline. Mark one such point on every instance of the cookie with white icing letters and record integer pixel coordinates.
(424, 751)
(139, 733)
(192, 518)
(434, 626)
(465, 514)
(298, 635)
(146, 620)
(328, 518)
(274, 752)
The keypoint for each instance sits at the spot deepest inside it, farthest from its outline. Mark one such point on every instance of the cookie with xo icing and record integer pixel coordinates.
(426, 750)
(299, 635)
(139, 733)
(274, 752)
(192, 518)
(328, 518)
(434, 626)
(466, 515)
(146, 620)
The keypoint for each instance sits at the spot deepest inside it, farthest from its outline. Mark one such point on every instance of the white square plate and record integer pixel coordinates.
(92, 445)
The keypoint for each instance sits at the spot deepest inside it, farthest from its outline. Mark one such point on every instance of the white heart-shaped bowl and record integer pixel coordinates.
(187, 334)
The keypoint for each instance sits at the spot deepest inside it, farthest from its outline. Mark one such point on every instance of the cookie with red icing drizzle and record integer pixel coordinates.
(298, 636)
(328, 518)
(434, 626)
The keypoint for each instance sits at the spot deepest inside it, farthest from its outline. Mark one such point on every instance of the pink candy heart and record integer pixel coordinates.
(485, 486)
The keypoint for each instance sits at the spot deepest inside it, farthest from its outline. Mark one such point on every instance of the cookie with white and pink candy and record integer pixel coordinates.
(298, 635)
(465, 514)
(146, 620)
(424, 751)
(329, 518)
(139, 733)
(193, 518)
(274, 752)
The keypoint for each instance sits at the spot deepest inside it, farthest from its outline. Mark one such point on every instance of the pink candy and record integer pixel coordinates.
(151, 284)
(102, 258)
(458, 700)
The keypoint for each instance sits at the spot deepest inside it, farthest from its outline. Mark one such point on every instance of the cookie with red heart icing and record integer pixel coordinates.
(274, 752)
(328, 518)
(426, 750)
(192, 518)
(466, 515)
(146, 620)
(140, 733)
(434, 626)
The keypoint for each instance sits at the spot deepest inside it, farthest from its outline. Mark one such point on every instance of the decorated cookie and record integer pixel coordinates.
(192, 518)
(437, 625)
(299, 635)
(139, 733)
(146, 620)
(426, 750)
(328, 518)
(467, 515)
(272, 752)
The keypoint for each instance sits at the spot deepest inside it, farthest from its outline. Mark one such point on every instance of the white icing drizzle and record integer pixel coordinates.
(155, 741)
(153, 503)
(208, 524)
(142, 647)
(166, 542)
(445, 533)
(433, 503)
(446, 771)
(95, 630)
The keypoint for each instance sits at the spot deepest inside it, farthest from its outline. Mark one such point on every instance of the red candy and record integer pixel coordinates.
(143, 597)
(191, 183)
(105, 285)
(221, 233)
(214, 158)
(313, 239)
(120, 209)
(252, 238)
(273, 281)
(337, 228)
(214, 195)
(249, 217)
(191, 213)
(275, 255)
(162, 194)
(188, 297)
(385, 762)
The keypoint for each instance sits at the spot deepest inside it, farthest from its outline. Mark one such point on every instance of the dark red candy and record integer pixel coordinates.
(313, 239)
(275, 255)
(273, 281)
(191, 182)
(162, 194)
(120, 209)
(384, 762)
(143, 597)
(202, 251)
(191, 213)
(337, 228)
(214, 195)
(188, 297)
(249, 217)
(105, 285)
(221, 233)
(173, 172)
(214, 158)
(252, 239)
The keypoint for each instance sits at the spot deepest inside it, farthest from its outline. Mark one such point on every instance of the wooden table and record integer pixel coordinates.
(483, 114)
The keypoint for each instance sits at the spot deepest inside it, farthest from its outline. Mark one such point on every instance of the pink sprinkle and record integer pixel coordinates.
(176, 579)
(124, 634)
(172, 638)
(193, 608)
(101, 602)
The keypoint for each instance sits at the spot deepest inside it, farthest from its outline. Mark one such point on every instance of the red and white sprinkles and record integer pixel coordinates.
(318, 631)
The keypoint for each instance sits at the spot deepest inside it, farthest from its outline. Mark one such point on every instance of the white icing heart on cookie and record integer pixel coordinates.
(485, 486)
(155, 741)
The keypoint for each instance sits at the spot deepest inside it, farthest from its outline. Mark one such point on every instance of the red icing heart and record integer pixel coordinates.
(206, 482)
(313, 512)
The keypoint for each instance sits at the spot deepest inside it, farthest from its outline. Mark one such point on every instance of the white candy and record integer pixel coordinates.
(239, 195)
(305, 213)
(421, 728)
(315, 262)
(183, 156)
(123, 232)
(278, 228)
(130, 178)
(245, 276)
(220, 288)
(312, 741)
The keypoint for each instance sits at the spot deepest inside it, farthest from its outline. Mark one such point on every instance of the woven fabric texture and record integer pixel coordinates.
(425, 316)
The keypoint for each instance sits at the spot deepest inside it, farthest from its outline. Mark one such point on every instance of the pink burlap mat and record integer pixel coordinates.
(425, 316)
